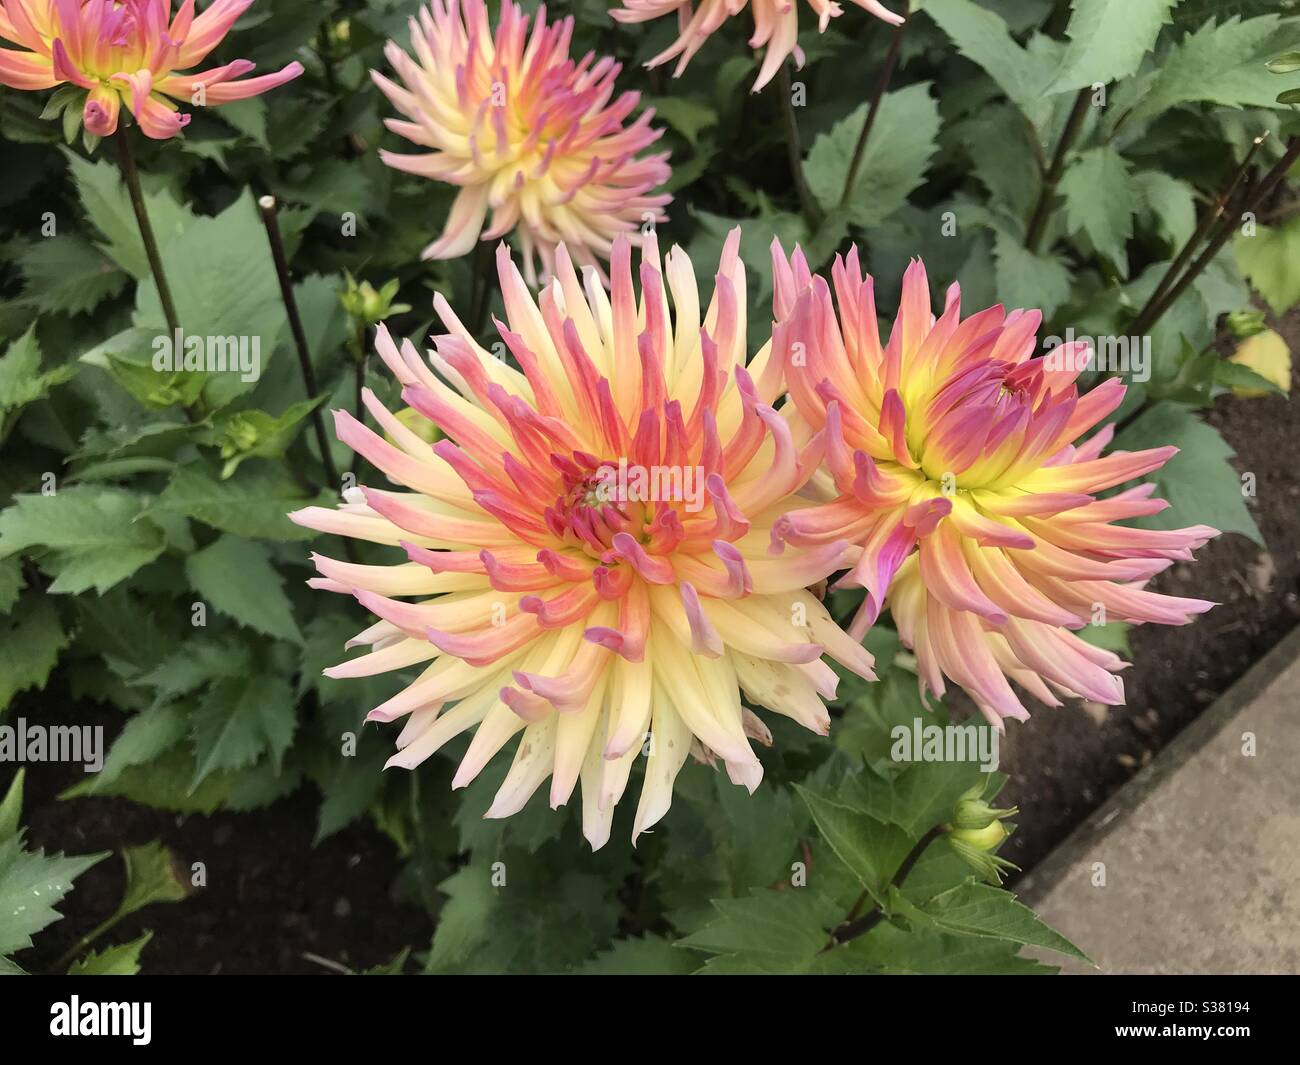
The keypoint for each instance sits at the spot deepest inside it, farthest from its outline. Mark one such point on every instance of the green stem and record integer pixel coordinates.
(1043, 208)
(794, 148)
(882, 83)
(852, 927)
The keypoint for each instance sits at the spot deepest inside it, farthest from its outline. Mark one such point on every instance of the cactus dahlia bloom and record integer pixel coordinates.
(776, 25)
(588, 549)
(126, 52)
(523, 130)
(951, 459)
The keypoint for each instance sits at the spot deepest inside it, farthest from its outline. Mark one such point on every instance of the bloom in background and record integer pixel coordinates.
(553, 596)
(951, 459)
(524, 130)
(126, 52)
(776, 25)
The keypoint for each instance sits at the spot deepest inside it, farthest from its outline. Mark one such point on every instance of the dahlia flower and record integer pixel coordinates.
(554, 598)
(524, 130)
(126, 52)
(951, 459)
(776, 25)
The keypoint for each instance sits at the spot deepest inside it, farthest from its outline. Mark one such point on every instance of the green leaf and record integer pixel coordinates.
(648, 955)
(1029, 280)
(107, 205)
(769, 932)
(122, 960)
(1171, 202)
(96, 534)
(256, 434)
(1100, 199)
(238, 720)
(1220, 63)
(1199, 483)
(251, 503)
(981, 910)
(889, 950)
(1271, 260)
(146, 736)
(872, 849)
(12, 807)
(151, 876)
(894, 163)
(164, 782)
(21, 379)
(67, 274)
(12, 582)
(1113, 636)
(31, 885)
(1108, 39)
(30, 641)
(237, 578)
(983, 38)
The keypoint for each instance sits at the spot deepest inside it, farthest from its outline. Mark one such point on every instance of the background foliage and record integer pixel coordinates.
(131, 496)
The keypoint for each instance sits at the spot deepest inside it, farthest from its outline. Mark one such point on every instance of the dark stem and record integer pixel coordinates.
(853, 926)
(270, 219)
(1204, 224)
(1043, 208)
(132, 178)
(882, 83)
(1220, 235)
(794, 148)
(478, 289)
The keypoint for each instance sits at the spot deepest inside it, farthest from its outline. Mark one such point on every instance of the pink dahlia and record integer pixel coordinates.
(953, 458)
(587, 565)
(776, 26)
(524, 131)
(128, 52)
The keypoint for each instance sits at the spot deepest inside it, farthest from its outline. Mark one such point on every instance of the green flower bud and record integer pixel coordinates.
(972, 812)
(1243, 324)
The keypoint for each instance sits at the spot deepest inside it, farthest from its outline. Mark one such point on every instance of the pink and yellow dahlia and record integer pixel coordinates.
(776, 26)
(588, 549)
(524, 130)
(127, 52)
(951, 459)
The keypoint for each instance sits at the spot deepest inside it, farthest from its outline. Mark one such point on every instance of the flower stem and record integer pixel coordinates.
(478, 285)
(1043, 208)
(854, 926)
(1203, 228)
(1218, 237)
(886, 72)
(131, 175)
(794, 148)
(271, 220)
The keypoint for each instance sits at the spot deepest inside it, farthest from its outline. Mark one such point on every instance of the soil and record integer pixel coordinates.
(287, 906)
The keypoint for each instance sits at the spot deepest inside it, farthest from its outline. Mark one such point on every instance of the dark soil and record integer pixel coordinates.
(274, 903)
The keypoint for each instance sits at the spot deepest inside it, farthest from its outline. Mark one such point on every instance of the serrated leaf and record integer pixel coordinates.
(872, 849)
(12, 807)
(894, 163)
(31, 885)
(236, 577)
(151, 876)
(1026, 279)
(647, 955)
(96, 534)
(30, 641)
(239, 720)
(252, 503)
(1100, 199)
(21, 379)
(69, 275)
(1108, 39)
(122, 960)
(1171, 202)
(983, 911)
(771, 931)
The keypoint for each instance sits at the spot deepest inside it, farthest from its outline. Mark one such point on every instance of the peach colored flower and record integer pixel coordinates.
(550, 603)
(951, 459)
(525, 132)
(776, 26)
(127, 52)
